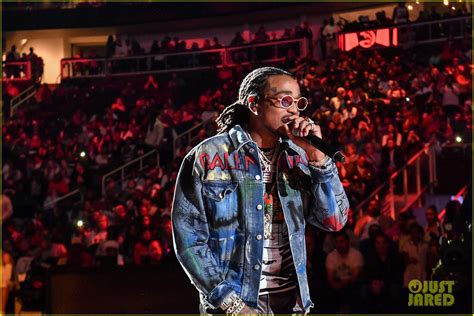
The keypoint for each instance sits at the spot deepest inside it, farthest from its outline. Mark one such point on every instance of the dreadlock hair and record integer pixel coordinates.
(253, 84)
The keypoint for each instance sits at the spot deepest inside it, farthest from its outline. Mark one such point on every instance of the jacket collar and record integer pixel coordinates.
(239, 138)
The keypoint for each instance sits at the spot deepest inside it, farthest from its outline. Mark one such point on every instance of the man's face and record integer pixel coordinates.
(381, 245)
(103, 222)
(269, 110)
(430, 216)
(374, 208)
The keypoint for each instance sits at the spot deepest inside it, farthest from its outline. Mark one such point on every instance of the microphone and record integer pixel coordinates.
(322, 145)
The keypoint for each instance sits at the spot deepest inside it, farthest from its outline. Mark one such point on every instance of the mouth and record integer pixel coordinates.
(286, 119)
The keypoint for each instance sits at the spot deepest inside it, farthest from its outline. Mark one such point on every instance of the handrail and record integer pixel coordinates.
(23, 97)
(104, 64)
(188, 133)
(121, 169)
(443, 212)
(393, 176)
(27, 71)
(54, 202)
(409, 24)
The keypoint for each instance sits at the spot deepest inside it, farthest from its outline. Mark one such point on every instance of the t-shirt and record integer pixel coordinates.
(278, 270)
(343, 265)
(415, 270)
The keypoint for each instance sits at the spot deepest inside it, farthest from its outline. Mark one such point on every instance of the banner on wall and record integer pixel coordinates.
(366, 39)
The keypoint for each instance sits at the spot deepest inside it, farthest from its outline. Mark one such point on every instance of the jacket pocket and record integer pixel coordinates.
(217, 190)
(220, 201)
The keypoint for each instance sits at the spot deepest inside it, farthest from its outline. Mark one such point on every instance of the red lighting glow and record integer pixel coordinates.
(368, 39)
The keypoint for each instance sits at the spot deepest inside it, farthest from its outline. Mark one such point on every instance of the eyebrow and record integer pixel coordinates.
(283, 91)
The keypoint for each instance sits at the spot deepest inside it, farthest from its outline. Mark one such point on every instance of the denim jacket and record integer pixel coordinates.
(218, 216)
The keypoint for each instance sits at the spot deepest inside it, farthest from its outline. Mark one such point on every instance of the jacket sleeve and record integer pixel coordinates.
(328, 206)
(190, 237)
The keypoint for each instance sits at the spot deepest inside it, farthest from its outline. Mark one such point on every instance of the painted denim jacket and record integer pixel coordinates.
(218, 214)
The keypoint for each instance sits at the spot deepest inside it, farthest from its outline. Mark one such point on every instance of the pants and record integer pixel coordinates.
(288, 302)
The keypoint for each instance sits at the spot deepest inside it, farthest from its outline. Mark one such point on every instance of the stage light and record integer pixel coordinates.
(80, 223)
(453, 8)
(408, 99)
(446, 2)
(82, 154)
(458, 139)
(410, 7)
(417, 1)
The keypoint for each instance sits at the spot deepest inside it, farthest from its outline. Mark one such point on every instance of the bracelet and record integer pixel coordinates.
(319, 163)
(228, 301)
(236, 307)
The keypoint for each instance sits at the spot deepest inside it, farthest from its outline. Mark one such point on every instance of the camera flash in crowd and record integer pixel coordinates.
(82, 154)
(80, 223)
(458, 139)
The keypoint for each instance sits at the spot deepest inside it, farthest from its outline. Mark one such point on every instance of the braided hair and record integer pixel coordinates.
(253, 84)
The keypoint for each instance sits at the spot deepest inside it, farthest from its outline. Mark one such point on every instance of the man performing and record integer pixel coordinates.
(243, 198)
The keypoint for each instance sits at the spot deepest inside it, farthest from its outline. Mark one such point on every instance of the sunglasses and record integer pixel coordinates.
(287, 101)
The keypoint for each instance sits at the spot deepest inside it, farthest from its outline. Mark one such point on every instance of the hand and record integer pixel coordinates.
(297, 125)
(247, 310)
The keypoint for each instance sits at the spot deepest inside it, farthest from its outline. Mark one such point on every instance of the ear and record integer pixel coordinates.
(252, 101)
(253, 108)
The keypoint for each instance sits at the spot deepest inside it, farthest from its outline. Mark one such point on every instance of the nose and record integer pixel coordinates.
(293, 109)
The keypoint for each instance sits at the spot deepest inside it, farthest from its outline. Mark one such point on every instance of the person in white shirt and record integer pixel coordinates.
(415, 251)
(329, 34)
(450, 92)
(343, 267)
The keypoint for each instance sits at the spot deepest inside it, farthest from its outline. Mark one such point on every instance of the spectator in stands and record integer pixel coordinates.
(329, 243)
(392, 133)
(395, 93)
(433, 228)
(7, 282)
(155, 48)
(414, 252)
(13, 56)
(343, 268)
(11, 90)
(329, 34)
(99, 233)
(141, 253)
(373, 216)
(155, 252)
(400, 14)
(35, 63)
(392, 157)
(338, 103)
(261, 35)
(288, 33)
(215, 43)
(237, 40)
(110, 47)
(322, 39)
(383, 273)
(450, 92)
(155, 132)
